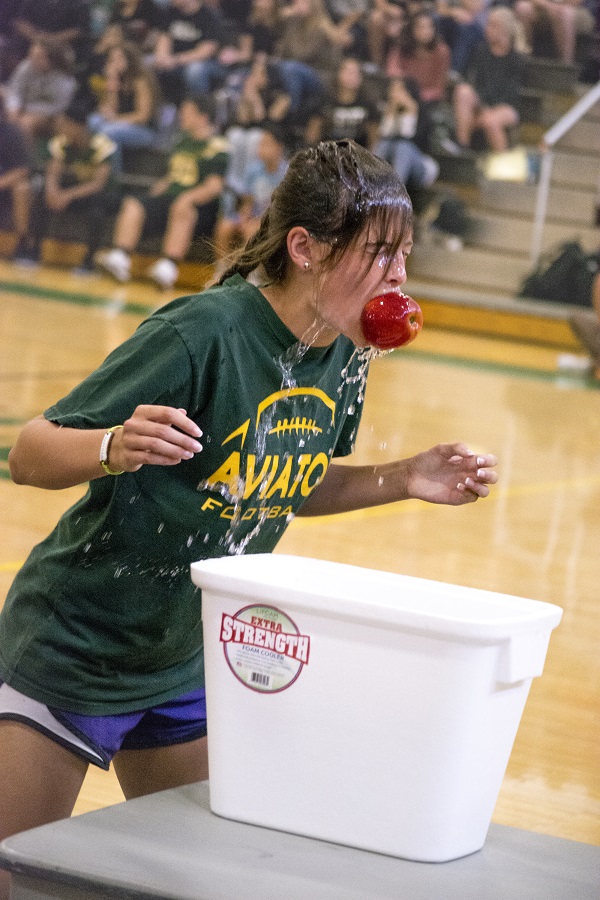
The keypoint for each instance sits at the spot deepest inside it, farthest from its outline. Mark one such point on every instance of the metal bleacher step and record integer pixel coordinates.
(584, 136)
(471, 267)
(550, 75)
(573, 206)
(577, 170)
(506, 233)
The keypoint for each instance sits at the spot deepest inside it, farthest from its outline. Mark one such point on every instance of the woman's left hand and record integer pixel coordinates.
(451, 474)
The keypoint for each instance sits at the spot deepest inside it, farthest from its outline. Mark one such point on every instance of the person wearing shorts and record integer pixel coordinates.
(180, 207)
(185, 435)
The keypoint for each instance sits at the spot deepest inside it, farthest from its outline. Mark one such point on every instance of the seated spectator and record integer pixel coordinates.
(79, 179)
(423, 56)
(14, 179)
(396, 138)
(133, 21)
(181, 206)
(260, 32)
(187, 49)
(461, 26)
(65, 22)
(349, 110)
(566, 19)
(129, 99)
(350, 17)
(489, 98)
(240, 220)
(262, 101)
(40, 88)
(385, 24)
(309, 47)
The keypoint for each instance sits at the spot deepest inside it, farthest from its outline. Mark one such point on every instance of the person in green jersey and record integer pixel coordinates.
(79, 180)
(181, 206)
(202, 435)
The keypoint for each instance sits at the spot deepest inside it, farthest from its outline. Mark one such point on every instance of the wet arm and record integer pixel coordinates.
(448, 473)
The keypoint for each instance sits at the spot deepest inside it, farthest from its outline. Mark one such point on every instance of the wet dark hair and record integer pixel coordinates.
(335, 190)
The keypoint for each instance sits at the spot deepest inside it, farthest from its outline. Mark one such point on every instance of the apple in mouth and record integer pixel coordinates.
(391, 320)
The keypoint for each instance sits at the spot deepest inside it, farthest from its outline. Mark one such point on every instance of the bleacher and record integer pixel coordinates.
(487, 271)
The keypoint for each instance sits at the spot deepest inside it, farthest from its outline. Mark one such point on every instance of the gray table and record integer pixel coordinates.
(170, 846)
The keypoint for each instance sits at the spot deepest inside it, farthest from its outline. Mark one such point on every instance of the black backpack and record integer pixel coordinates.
(564, 274)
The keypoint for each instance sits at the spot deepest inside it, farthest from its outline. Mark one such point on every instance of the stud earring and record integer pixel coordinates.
(307, 265)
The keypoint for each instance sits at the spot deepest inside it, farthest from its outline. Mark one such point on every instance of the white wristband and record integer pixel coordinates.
(105, 448)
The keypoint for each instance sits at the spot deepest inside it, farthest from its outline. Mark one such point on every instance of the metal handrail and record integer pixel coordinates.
(554, 134)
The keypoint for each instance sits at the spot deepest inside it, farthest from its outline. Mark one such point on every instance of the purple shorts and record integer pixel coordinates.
(98, 738)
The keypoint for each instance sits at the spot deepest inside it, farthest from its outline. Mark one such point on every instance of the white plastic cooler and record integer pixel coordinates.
(361, 707)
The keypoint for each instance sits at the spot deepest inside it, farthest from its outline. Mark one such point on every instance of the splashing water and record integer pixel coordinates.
(364, 355)
(296, 353)
(286, 363)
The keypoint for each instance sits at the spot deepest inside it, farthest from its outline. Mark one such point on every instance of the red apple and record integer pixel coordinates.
(391, 320)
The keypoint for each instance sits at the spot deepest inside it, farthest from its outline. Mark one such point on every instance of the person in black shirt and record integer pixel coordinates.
(349, 109)
(187, 48)
(489, 98)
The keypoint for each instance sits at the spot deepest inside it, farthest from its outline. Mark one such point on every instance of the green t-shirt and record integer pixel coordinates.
(80, 164)
(192, 161)
(103, 617)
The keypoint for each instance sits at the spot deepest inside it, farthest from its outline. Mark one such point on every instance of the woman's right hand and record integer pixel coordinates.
(156, 436)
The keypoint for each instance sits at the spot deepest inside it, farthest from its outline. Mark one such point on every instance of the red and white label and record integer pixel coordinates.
(264, 648)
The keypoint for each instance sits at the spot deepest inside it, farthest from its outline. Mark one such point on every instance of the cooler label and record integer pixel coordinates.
(264, 648)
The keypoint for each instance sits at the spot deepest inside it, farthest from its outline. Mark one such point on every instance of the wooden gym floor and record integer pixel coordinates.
(495, 386)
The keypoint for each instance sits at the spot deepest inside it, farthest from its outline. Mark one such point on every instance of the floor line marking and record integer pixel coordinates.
(402, 507)
(408, 506)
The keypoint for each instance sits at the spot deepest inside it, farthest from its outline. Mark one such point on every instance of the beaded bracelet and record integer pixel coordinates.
(104, 449)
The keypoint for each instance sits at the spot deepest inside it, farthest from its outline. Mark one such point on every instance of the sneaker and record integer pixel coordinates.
(451, 147)
(586, 327)
(164, 273)
(116, 262)
(432, 170)
(570, 362)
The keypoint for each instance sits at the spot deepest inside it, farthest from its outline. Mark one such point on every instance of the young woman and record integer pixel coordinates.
(176, 432)
(262, 101)
(489, 97)
(424, 56)
(349, 109)
(129, 99)
(397, 138)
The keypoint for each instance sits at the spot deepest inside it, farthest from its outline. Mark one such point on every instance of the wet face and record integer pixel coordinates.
(365, 271)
